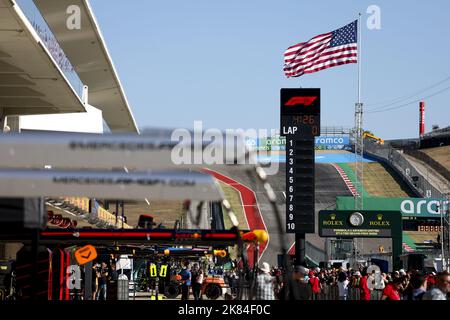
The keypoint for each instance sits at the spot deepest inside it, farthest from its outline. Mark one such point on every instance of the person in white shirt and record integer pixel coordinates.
(343, 285)
(442, 288)
(376, 283)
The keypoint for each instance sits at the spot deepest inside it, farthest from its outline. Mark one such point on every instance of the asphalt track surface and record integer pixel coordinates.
(252, 213)
(329, 185)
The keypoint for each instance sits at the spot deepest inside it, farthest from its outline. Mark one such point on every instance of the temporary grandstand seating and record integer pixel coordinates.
(440, 155)
(419, 241)
(379, 181)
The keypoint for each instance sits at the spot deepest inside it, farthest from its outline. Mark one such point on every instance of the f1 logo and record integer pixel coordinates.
(306, 101)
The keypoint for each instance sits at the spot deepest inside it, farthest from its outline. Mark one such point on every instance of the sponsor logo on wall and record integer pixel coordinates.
(409, 207)
(278, 143)
(332, 143)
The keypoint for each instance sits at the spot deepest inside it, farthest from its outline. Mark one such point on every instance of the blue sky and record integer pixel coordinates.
(222, 61)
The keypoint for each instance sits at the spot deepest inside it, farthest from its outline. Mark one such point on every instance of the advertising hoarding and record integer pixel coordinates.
(362, 224)
(409, 207)
(332, 143)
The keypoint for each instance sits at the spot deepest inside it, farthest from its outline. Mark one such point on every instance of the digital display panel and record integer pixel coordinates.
(300, 112)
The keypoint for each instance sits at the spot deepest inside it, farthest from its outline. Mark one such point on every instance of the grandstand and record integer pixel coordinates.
(381, 181)
(427, 161)
(416, 241)
(436, 138)
(440, 155)
(422, 165)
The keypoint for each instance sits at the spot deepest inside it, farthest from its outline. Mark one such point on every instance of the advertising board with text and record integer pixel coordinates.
(409, 207)
(372, 224)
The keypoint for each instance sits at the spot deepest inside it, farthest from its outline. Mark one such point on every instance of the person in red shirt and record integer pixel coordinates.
(391, 292)
(315, 285)
(363, 288)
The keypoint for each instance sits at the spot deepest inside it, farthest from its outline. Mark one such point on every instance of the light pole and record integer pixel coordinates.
(446, 208)
(441, 211)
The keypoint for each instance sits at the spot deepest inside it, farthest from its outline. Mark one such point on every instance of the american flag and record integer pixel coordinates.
(323, 51)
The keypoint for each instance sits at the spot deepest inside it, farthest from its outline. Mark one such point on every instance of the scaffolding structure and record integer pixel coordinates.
(445, 232)
(359, 154)
(358, 140)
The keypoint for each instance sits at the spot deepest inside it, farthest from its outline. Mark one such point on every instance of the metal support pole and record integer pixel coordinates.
(88, 281)
(446, 231)
(254, 275)
(441, 210)
(117, 211)
(300, 249)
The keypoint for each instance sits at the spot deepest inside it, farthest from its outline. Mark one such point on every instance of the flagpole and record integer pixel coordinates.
(358, 131)
(359, 144)
(361, 246)
(359, 57)
(361, 107)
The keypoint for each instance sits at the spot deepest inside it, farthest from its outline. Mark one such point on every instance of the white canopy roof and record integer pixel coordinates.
(31, 82)
(87, 52)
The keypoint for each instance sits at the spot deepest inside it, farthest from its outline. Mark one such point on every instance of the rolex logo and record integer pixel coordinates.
(332, 221)
(379, 222)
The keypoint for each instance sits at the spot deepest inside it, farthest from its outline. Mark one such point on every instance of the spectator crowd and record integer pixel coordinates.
(342, 284)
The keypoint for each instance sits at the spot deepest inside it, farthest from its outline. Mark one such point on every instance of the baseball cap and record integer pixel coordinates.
(302, 270)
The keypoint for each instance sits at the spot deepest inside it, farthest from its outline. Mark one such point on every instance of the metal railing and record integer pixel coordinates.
(397, 161)
(439, 168)
(335, 131)
(48, 39)
(328, 292)
(353, 294)
(331, 292)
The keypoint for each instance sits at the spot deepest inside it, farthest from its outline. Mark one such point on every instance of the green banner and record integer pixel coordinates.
(409, 207)
(274, 143)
